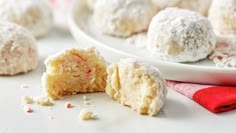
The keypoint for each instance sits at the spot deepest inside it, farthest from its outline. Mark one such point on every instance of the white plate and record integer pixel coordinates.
(113, 48)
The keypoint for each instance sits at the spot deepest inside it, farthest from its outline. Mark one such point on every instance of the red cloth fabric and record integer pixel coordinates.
(214, 98)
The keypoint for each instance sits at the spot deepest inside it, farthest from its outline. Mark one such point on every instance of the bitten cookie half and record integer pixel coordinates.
(73, 71)
(137, 85)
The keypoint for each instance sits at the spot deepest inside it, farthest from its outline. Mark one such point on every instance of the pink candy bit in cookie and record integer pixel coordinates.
(88, 73)
(219, 57)
(68, 105)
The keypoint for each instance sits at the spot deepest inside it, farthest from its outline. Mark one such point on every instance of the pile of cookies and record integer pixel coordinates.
(177, 30)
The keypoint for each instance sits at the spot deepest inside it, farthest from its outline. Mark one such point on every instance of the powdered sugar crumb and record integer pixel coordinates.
(43, 101)
(85, 98)
(27, 109)
(68, 105)
(225, 53)
(85, 114)
(23, 86)
(27, 100)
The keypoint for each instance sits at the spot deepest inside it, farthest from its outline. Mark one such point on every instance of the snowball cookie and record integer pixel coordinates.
(222, 16)
(180, 35)
(200, 6)
(137, 85)
(35, 15)
(123, 17)
(73, 71)
(18, 52)
(90, 4)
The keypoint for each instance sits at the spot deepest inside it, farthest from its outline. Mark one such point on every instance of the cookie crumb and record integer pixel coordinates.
(28, 109)
(68, 105)
(51, 117)
(85, 98)
(85, 114)
(43, 101)
(27, 100)
(86, 103)
(23, 86)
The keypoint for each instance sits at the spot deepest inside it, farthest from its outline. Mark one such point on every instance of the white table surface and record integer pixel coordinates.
(179, 115)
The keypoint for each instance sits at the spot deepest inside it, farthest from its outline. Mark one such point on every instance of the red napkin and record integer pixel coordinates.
(214, 98)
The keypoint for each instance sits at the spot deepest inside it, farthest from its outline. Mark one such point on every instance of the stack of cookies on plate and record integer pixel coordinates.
(177, 30)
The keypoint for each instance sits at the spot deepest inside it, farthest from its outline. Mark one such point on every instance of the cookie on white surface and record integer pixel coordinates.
(200, 6)
(85, 115)
(137, 85)
(123, 18)
(34, 15)
(73, 71)
(43, 101)
(222, 15)
(18, 52)
(27, 100)
(180, 35)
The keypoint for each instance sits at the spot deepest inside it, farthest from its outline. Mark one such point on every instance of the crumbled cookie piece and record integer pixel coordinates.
(68, 105)
(85, 98)
(27, 109)
(43, 101)
(85, 114)
(27, 100)
(86, 103)
(24, 86)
